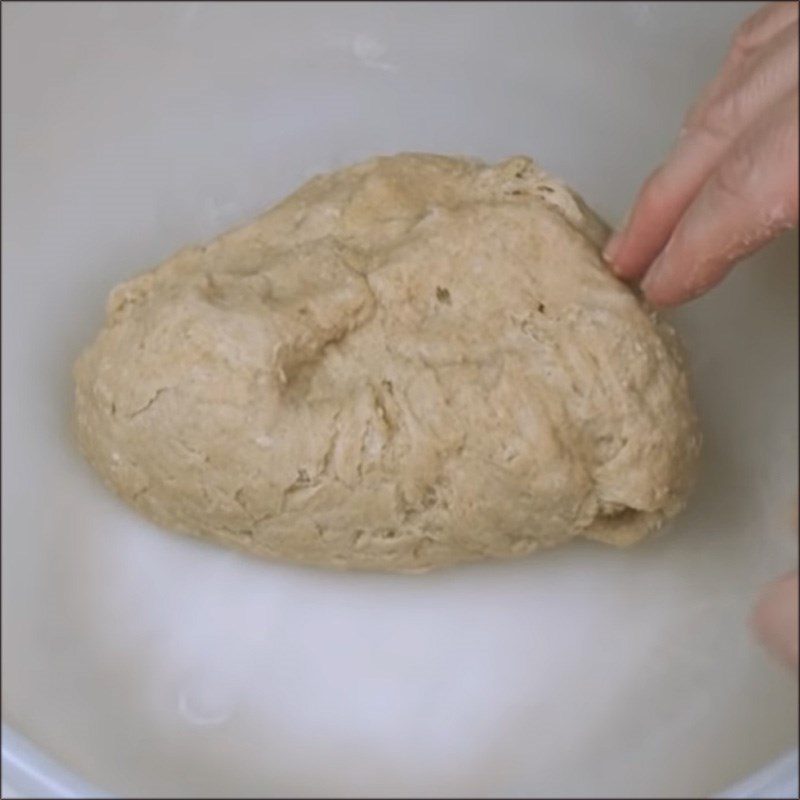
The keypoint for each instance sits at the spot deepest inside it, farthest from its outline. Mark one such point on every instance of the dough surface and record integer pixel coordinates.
(415, 361)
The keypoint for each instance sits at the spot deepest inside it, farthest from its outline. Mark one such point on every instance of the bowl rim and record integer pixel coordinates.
(29, 772)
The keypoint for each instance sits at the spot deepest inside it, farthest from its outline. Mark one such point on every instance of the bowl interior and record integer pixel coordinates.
(152, 664)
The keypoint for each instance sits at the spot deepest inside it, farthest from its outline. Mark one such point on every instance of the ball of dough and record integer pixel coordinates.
(412, 362)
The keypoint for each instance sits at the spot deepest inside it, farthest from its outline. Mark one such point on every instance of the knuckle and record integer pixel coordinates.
(717, 119)
(760, 26)
(743, 38)
(732, 177)
(740, 50)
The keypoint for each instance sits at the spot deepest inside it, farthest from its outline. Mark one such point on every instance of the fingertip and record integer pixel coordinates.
(663, 293)
(655, 284)
(615, 246)
(664, 284)
(775, 617)
(616, 254)
(611, 252)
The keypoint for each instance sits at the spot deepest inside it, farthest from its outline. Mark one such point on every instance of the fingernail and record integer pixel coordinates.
(614, 245)
(654, 276)
(612, 248)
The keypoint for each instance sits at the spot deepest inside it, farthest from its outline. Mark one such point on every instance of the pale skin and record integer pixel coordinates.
(728, 186)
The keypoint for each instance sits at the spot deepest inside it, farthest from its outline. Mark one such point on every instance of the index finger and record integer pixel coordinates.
(761, 66)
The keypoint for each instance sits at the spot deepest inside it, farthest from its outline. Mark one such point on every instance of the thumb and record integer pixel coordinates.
(775, 618)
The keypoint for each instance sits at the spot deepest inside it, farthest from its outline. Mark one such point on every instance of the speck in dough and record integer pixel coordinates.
(408, 363)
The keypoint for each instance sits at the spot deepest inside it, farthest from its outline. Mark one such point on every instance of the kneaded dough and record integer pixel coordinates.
(412, 362)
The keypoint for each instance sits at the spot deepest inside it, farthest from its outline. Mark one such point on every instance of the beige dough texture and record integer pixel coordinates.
(415, 361)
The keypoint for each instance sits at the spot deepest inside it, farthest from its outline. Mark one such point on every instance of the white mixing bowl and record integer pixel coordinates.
(151, 664)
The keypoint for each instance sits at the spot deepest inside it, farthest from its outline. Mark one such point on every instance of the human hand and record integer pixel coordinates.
(776, 616)
(728, 186)
(730, 183)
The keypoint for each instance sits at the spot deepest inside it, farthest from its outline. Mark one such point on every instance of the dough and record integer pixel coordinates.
(408, 363)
